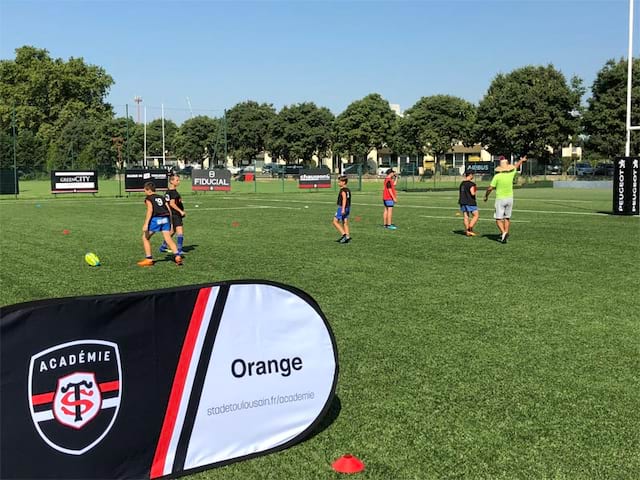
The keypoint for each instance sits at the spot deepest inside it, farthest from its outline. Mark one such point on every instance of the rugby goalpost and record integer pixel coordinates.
(627, 150)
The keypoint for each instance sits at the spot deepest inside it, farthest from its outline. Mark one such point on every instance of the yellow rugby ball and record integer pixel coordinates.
(92, 259)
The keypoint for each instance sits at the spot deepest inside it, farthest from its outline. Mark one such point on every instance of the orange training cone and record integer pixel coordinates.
(235, 224)
(348, 464)
(66, 232)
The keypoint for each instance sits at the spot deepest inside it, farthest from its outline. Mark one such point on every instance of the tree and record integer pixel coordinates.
(529, 110)
(605, 118)
(247, 129)
(196, 138)
(154, 137)
(435, 124)
(45, 91)
(48, 97)
(366, 124)
(301, 131)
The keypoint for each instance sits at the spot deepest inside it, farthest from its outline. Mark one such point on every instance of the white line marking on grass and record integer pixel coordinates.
(480, 219)
(248, 207)
(430, 207)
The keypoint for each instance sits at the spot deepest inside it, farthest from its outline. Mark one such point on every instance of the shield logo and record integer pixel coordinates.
(74, 393)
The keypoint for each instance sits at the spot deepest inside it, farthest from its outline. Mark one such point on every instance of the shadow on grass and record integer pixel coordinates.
(328, 419)
(460, 232)
(496, 237)
(189, 248)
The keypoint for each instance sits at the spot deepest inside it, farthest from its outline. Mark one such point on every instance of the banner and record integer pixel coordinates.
(166, 382)
(74, 182)
(315, 178)
(625, 186)
(480, 168)
(9, 184)
(134, 180)
(216, 179)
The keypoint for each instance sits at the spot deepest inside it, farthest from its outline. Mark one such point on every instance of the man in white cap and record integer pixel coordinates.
(502, 183)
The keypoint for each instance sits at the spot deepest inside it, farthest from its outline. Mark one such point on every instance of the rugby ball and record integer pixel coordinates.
(92, 259)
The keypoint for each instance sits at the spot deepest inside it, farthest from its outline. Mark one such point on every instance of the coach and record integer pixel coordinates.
(502, 183)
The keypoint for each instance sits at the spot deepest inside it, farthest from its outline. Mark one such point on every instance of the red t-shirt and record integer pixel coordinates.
(389, 186)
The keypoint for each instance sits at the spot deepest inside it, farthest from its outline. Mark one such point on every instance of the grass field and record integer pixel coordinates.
(459, 357)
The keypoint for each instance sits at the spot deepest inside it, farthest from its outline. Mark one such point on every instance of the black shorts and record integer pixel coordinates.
(176, 220)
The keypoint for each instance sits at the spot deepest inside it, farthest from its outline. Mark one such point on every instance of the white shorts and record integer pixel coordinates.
(503, 208)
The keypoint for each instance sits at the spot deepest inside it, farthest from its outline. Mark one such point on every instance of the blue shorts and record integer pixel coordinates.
(468, 208)
(159, 224)
(388, 203)
(339, 215)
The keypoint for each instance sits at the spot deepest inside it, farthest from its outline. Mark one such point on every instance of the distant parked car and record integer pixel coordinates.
(604, 170)
(581, 169)
(354, 169)
(553, 169)
(268, 168)
(382, 170)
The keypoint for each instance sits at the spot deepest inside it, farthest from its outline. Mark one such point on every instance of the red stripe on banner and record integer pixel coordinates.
(110, 386)
(177, 390)
(42, 398)
(317, 185)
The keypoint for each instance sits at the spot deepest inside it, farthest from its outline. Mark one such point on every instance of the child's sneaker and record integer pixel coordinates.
(392, 227)
(146, 262)
(163, 249)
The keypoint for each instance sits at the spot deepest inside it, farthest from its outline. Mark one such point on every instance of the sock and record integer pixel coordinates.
(180, 240)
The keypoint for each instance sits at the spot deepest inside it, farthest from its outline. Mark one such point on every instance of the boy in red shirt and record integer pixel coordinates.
(389, 198)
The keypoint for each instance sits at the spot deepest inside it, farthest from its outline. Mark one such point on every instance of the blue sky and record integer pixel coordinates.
(329, 52)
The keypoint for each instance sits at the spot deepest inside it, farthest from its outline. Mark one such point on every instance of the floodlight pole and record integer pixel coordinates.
(627, 149)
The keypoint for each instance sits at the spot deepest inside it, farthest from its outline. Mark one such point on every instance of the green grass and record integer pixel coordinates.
(459, 357)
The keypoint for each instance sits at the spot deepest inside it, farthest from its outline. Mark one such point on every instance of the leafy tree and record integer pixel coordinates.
(30, 151)
(529, 110)
(366, 124)
(435, 124)
(45, 91)
(154, 136)
(605, 118)
(48, 97)
(301, 131)
(248, 128)
(196, 138)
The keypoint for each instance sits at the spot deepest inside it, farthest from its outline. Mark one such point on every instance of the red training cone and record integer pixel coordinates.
(235, 224)
(348, 464)
(66, 232)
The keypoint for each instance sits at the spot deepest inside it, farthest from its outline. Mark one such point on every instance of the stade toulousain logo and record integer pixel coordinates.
(74, 393)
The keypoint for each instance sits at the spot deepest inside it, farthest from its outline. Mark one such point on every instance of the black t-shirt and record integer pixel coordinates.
(175, 196)
(466, 197)
(347, 193)
(160, 207)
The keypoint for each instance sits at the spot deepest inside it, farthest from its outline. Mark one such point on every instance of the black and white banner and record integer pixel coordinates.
(77, 181)
(625, 186)
(134, 180)
(161, 383)
(315, 178)
(208, 180)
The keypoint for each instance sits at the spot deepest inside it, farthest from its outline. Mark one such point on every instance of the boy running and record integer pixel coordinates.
(174, 200)
(468, 204)
(341, 219)
(389, 198)
(157, 219)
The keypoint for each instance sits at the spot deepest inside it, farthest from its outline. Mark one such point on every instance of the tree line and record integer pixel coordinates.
(53, 114)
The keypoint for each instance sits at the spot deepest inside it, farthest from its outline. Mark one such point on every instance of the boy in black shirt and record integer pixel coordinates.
(174, 200)
(468, 204)
(341, 219)
(157, 219)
